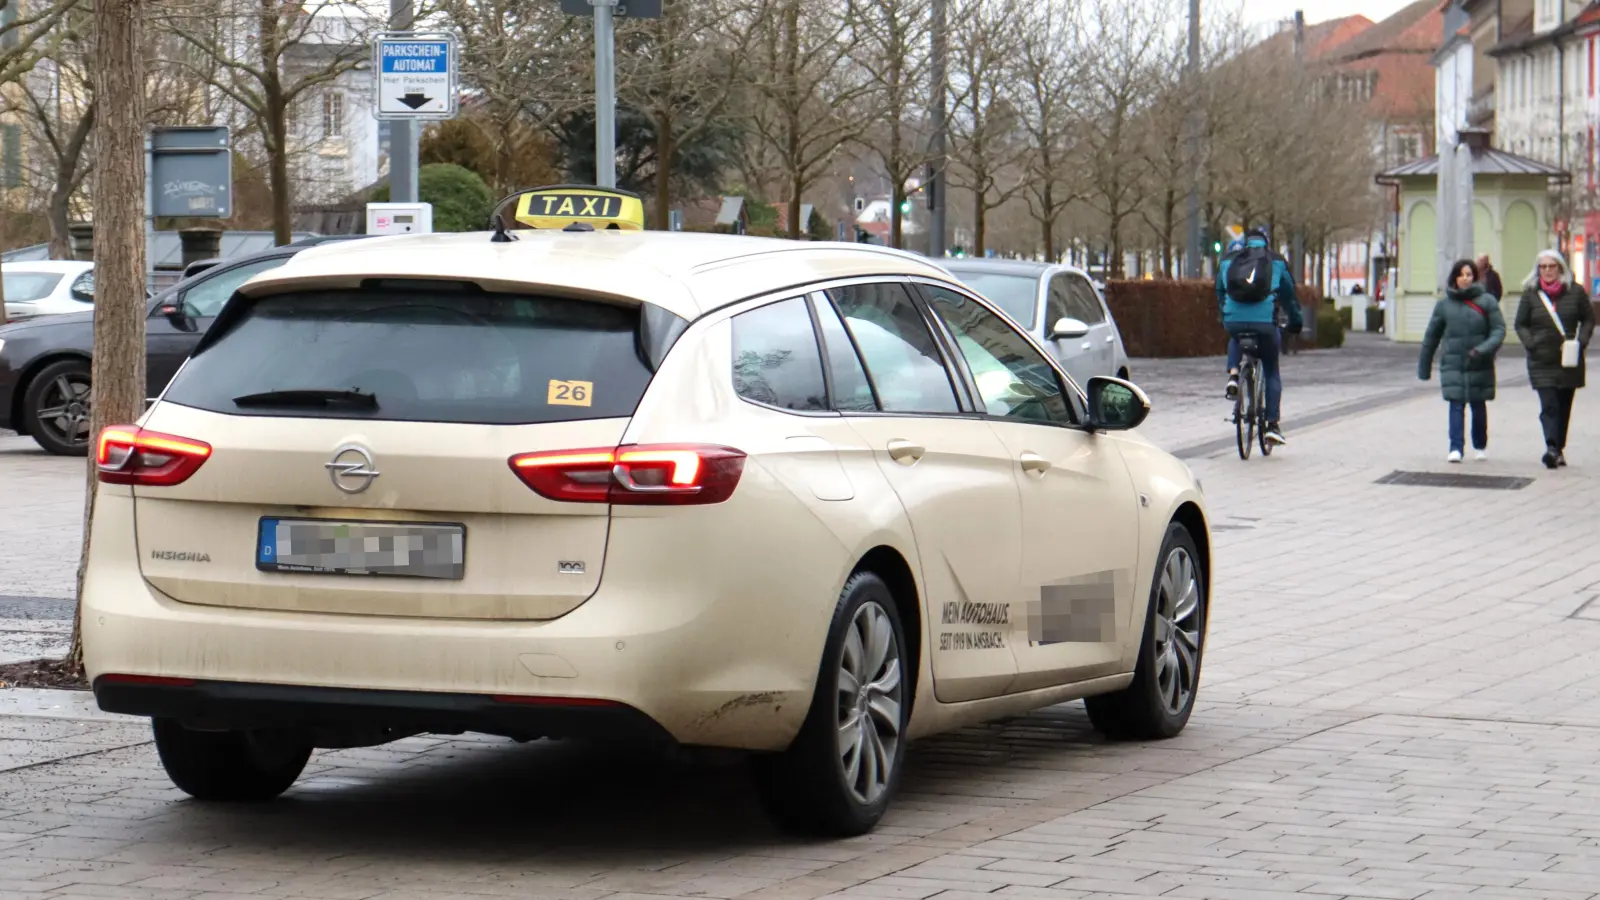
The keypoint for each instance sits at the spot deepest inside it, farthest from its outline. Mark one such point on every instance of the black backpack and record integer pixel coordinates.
(1250, 275)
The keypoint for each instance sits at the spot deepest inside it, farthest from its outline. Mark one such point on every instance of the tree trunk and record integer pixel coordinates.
(1047, 221)
(278, 168)
(664, 151)
(897, 192)
(980, 222)
(118, 371)
(67, 181)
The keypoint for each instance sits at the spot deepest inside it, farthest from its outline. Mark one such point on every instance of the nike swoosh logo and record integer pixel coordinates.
(1251, 278)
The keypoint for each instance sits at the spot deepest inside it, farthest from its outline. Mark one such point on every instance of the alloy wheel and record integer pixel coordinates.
(1177, 631)
(870, 702)
(64, 408)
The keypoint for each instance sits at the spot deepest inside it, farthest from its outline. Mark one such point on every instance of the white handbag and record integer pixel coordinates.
(1571, 351)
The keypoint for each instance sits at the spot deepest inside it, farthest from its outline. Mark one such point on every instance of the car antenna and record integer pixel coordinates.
(501, 235)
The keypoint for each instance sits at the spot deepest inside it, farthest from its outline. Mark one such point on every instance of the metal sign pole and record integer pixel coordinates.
(403, 133)
(605, 94)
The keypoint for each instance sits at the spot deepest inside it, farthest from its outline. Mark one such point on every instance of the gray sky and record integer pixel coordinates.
(1321, 10)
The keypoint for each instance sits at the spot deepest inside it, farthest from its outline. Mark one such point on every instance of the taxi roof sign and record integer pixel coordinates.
(561, 206)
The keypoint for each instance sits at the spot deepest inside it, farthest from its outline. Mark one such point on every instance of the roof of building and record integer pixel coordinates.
(1398, 51)
(683, 272)
(1485, 161)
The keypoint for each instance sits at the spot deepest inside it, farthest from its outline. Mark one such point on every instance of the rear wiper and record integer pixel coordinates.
(310, 397)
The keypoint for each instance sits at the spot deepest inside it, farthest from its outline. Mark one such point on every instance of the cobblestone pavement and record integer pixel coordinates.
(1401, 700)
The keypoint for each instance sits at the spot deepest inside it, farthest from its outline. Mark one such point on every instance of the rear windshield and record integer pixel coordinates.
(26, 287)
(1016, 295)
(428, 356)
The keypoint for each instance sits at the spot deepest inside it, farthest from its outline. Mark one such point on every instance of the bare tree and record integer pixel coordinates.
(989, 143)
(264, 55)
(680, 72)
(805, 98)
(1162, 130)
(1049, 70)
(1122, 48)
(893, 50)
(118, 371)
(523, 66)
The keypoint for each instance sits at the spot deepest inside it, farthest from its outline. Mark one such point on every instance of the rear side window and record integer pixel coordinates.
(426, 355)
(852, 392)
(775, 357)
(899, 351)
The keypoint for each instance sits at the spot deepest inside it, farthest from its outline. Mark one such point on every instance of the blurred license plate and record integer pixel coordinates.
(362, 548)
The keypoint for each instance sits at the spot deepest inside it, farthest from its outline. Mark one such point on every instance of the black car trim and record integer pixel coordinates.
(240, 704)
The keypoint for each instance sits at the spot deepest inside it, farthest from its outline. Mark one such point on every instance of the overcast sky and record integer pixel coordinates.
(1321, 10)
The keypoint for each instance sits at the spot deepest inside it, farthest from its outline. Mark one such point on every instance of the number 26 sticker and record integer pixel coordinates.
(571, 393)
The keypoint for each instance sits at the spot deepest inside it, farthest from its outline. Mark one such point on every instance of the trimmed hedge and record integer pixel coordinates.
(1171, 319)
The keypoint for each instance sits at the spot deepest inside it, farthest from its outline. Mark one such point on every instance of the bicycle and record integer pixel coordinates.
(1250, 403)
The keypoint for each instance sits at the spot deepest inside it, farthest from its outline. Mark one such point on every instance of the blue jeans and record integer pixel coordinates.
(1458, 425)
(1267, 351)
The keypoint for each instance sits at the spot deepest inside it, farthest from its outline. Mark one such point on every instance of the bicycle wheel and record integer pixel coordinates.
(1244, 410)
(1261, 410)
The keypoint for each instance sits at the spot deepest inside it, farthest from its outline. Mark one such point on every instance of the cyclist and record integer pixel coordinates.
(1246, 282)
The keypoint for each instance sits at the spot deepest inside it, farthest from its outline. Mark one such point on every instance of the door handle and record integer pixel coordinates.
(905, 452)
(1033, 462)
(1088, 344)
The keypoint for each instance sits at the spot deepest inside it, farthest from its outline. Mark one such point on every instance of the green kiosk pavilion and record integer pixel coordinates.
(1511, 221)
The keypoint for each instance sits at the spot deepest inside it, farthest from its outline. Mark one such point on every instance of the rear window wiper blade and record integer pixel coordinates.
(310, 397)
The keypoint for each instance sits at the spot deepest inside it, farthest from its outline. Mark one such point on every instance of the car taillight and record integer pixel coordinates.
(128, 454)
(636, 474)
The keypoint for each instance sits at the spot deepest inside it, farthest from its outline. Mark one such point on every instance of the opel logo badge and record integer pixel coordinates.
(351, 470)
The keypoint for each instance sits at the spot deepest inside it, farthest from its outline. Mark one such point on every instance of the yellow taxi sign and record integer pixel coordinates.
(561, 206)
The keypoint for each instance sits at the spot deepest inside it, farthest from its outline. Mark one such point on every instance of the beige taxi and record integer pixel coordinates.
(577, 480)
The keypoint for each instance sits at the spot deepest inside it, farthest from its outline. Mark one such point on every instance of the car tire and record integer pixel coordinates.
(1166, 680)
(230, 766)
(818, 787)
(43, 389)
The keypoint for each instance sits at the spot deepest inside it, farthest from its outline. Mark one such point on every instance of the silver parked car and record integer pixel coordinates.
(1059, 305)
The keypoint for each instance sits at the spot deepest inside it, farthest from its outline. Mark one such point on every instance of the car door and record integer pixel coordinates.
(176, 325)
(1100, 355)
(1079, 508)
(951, 474)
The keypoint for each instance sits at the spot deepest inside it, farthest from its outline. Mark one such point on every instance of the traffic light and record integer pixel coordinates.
(1216, 247)
(905, 207)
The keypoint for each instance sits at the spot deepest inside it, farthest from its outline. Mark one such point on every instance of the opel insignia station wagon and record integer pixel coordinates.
(575, 479)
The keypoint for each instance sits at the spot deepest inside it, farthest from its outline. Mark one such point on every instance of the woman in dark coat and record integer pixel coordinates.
(1551, 294)
(1468, 324)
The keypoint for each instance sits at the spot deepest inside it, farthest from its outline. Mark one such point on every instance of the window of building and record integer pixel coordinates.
(332, 114)
(1407, 147)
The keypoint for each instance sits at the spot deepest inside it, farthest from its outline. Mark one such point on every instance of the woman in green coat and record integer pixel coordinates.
(1554, 310)
(1468, 324)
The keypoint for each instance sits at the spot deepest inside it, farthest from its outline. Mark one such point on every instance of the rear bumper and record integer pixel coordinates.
(233, 704)
(720, 657)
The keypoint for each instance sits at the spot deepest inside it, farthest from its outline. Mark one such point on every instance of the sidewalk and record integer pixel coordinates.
(1401, 699)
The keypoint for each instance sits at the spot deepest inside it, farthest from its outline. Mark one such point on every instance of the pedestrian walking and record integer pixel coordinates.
(1468, 325)
(1554, 322)
(1490, 278)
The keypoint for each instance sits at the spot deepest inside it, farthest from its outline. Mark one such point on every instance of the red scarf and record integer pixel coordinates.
(1552, 288)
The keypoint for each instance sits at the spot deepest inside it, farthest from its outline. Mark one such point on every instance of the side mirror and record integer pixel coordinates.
(175, 313)
(1116, 405)
(1068, 328)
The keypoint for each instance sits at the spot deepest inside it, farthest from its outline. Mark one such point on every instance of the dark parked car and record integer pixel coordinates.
(44, 362)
